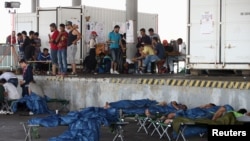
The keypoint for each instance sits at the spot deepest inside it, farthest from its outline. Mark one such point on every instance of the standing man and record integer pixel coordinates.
(20, 43)
(9, 77)
(37, 40)
(11, 39)
(73, 37)
(53, 46)
(62, 50)
(115, 43)
(26, 44)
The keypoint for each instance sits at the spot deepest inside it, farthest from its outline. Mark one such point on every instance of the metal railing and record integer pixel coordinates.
(8, 56)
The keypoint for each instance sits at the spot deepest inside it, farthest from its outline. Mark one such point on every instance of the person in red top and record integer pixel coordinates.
(62, 50)
(11, 39)
(53, 46)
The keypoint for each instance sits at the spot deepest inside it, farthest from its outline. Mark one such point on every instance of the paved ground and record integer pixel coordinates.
(11, 130)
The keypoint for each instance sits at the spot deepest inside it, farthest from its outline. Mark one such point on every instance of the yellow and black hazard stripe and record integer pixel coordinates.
(185, 82)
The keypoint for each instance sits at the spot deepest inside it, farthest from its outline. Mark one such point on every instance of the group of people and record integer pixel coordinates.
(29, 48)
(9, 82)
(29, 44)
(63, 48)
(173, 113)
(173, 109)
(152, 50)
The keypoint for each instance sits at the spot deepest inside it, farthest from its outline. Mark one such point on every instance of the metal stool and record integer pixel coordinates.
(119, 130)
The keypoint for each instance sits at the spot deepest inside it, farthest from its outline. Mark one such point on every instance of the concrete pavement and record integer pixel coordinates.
(12, 130)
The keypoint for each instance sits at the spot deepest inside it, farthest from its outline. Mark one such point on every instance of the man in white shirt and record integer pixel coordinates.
(182, 49)
(9, 77)
(10, 90)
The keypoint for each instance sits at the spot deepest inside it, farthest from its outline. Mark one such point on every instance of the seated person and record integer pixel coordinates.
(44, 56)
(104, 63)
(160, 52)
(149, 54)
(137, 60)
(90, 62)
(10, 77)
(181, 50)
(11, 92)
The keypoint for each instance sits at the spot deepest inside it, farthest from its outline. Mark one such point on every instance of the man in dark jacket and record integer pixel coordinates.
(27, 77)
(28, 49)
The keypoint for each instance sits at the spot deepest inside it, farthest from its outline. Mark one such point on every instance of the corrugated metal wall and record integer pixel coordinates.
(109, 17)
(26, 21)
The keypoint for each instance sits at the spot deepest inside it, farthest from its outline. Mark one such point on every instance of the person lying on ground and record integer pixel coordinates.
(125, 104)
(193, 113)
(229, 118)
(173, 106)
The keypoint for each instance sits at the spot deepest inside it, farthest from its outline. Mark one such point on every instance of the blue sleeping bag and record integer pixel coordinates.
(83, 126)
(34, 103)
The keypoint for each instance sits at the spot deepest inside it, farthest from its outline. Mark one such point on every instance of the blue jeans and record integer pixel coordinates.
(148, 60)
(114, 54)
(53, 54)
(62, 60)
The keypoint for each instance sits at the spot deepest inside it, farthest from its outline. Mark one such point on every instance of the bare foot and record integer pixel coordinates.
(147, 113)
(106, 105)
(163, 103)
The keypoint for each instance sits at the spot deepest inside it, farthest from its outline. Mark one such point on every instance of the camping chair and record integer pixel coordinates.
(144, 123)
(4, 102)
(30, 131)
(183, 127)
(160, 127)
(118, 126)
(63, 103)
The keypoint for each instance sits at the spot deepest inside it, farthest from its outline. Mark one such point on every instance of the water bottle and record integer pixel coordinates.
(35, 133)
(120, 114)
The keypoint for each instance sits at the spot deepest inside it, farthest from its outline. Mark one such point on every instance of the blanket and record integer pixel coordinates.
(83, 125)
(34, 103)
(227, 119)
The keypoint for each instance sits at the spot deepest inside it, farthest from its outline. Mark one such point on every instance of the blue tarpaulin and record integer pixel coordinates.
(34, 103)
(83, 125)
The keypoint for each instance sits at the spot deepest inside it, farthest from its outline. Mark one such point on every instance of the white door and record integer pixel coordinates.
(236, 31)
(45, 18)
(204, 33)
(74, 15)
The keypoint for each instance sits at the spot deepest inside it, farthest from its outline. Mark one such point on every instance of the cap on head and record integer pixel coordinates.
(165, 42)
(94, 33)
(69, 23)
